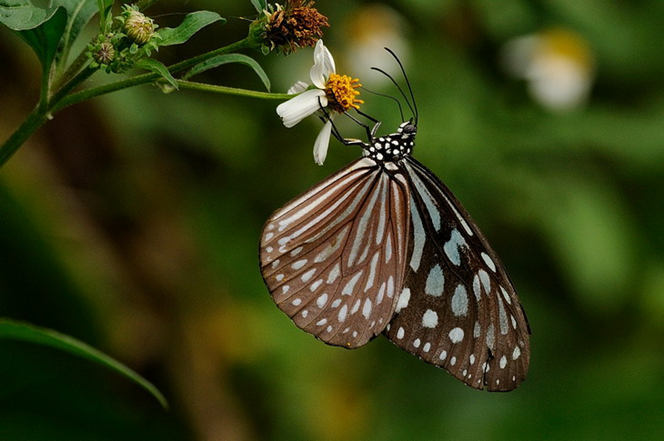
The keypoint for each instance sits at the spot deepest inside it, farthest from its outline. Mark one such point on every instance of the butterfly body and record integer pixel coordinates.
(383, 246)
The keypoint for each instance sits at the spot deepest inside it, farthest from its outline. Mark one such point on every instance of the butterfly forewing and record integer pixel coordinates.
(334, 257)
(458, 308)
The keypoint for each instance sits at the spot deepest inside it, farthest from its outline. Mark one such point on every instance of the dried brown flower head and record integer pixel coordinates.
(294, 25)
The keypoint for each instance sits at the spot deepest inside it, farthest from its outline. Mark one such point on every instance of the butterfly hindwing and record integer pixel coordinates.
(458, 308)
(334, 257)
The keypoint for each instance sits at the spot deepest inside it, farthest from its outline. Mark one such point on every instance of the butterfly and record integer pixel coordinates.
(384, 247)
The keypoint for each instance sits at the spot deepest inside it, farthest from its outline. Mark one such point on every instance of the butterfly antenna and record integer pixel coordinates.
(385, 96)
(410, 88)
(405, 97)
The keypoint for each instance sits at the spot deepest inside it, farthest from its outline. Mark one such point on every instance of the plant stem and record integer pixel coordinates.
(74, 68)
(61, 99)
(32, 123)
(232, 91)
(71, 85)
(145, 78)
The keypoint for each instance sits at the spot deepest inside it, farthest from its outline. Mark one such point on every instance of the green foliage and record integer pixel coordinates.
(229, 58)
(132, 223)
(12, 330)
(191, 24)
(40, 28)
(260, 5)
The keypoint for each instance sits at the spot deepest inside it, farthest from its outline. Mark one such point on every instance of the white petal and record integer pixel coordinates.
(322, 143)
(323, 65)
(296, 109)
(298, 87)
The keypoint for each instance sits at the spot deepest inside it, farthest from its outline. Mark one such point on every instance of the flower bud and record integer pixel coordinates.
(104, 53)
(138, 27)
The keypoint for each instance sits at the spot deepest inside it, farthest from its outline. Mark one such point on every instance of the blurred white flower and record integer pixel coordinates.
(335, 92)
(371, 28)
(557, 64)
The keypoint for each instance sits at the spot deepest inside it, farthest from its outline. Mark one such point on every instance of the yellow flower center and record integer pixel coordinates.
(341, 93)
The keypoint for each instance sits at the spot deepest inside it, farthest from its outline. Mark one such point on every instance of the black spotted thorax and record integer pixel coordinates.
(392, 147)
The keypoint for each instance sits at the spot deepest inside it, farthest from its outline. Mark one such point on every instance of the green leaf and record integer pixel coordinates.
(104, 6)
(260, 5)
(230, 58)
(157, 67)
(45, 38)
(41, 28)
(13, 330)
(191, 24)
(19, 15)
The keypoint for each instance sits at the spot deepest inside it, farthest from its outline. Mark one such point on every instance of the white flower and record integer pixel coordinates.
(332, 91)
(557, 64)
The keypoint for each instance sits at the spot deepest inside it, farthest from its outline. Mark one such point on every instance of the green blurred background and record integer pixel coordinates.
(132, 223)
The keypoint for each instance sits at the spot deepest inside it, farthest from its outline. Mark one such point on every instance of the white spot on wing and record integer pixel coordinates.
(429, 203)
(486, 281)
(350, 286)
(453, 246)
(381, 293)
(335, 272)
(477, 288)
(343, 312)
(356, 306)
(503, 362)
(308, 275)
(489, 262)
(456, 335)
(299, 264)
(430, 319)
(366, 309)
(435, 282)
(390, 287)
(506, 296)
(388, 248)
(400, 333)
(490, 337)
(502, 317)
(419, 236)
(404, 297)
(322, 300)
(460, 301)
(372, 271)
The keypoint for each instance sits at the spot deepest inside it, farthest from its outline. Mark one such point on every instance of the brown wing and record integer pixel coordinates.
(458, 309)
(334, 257)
